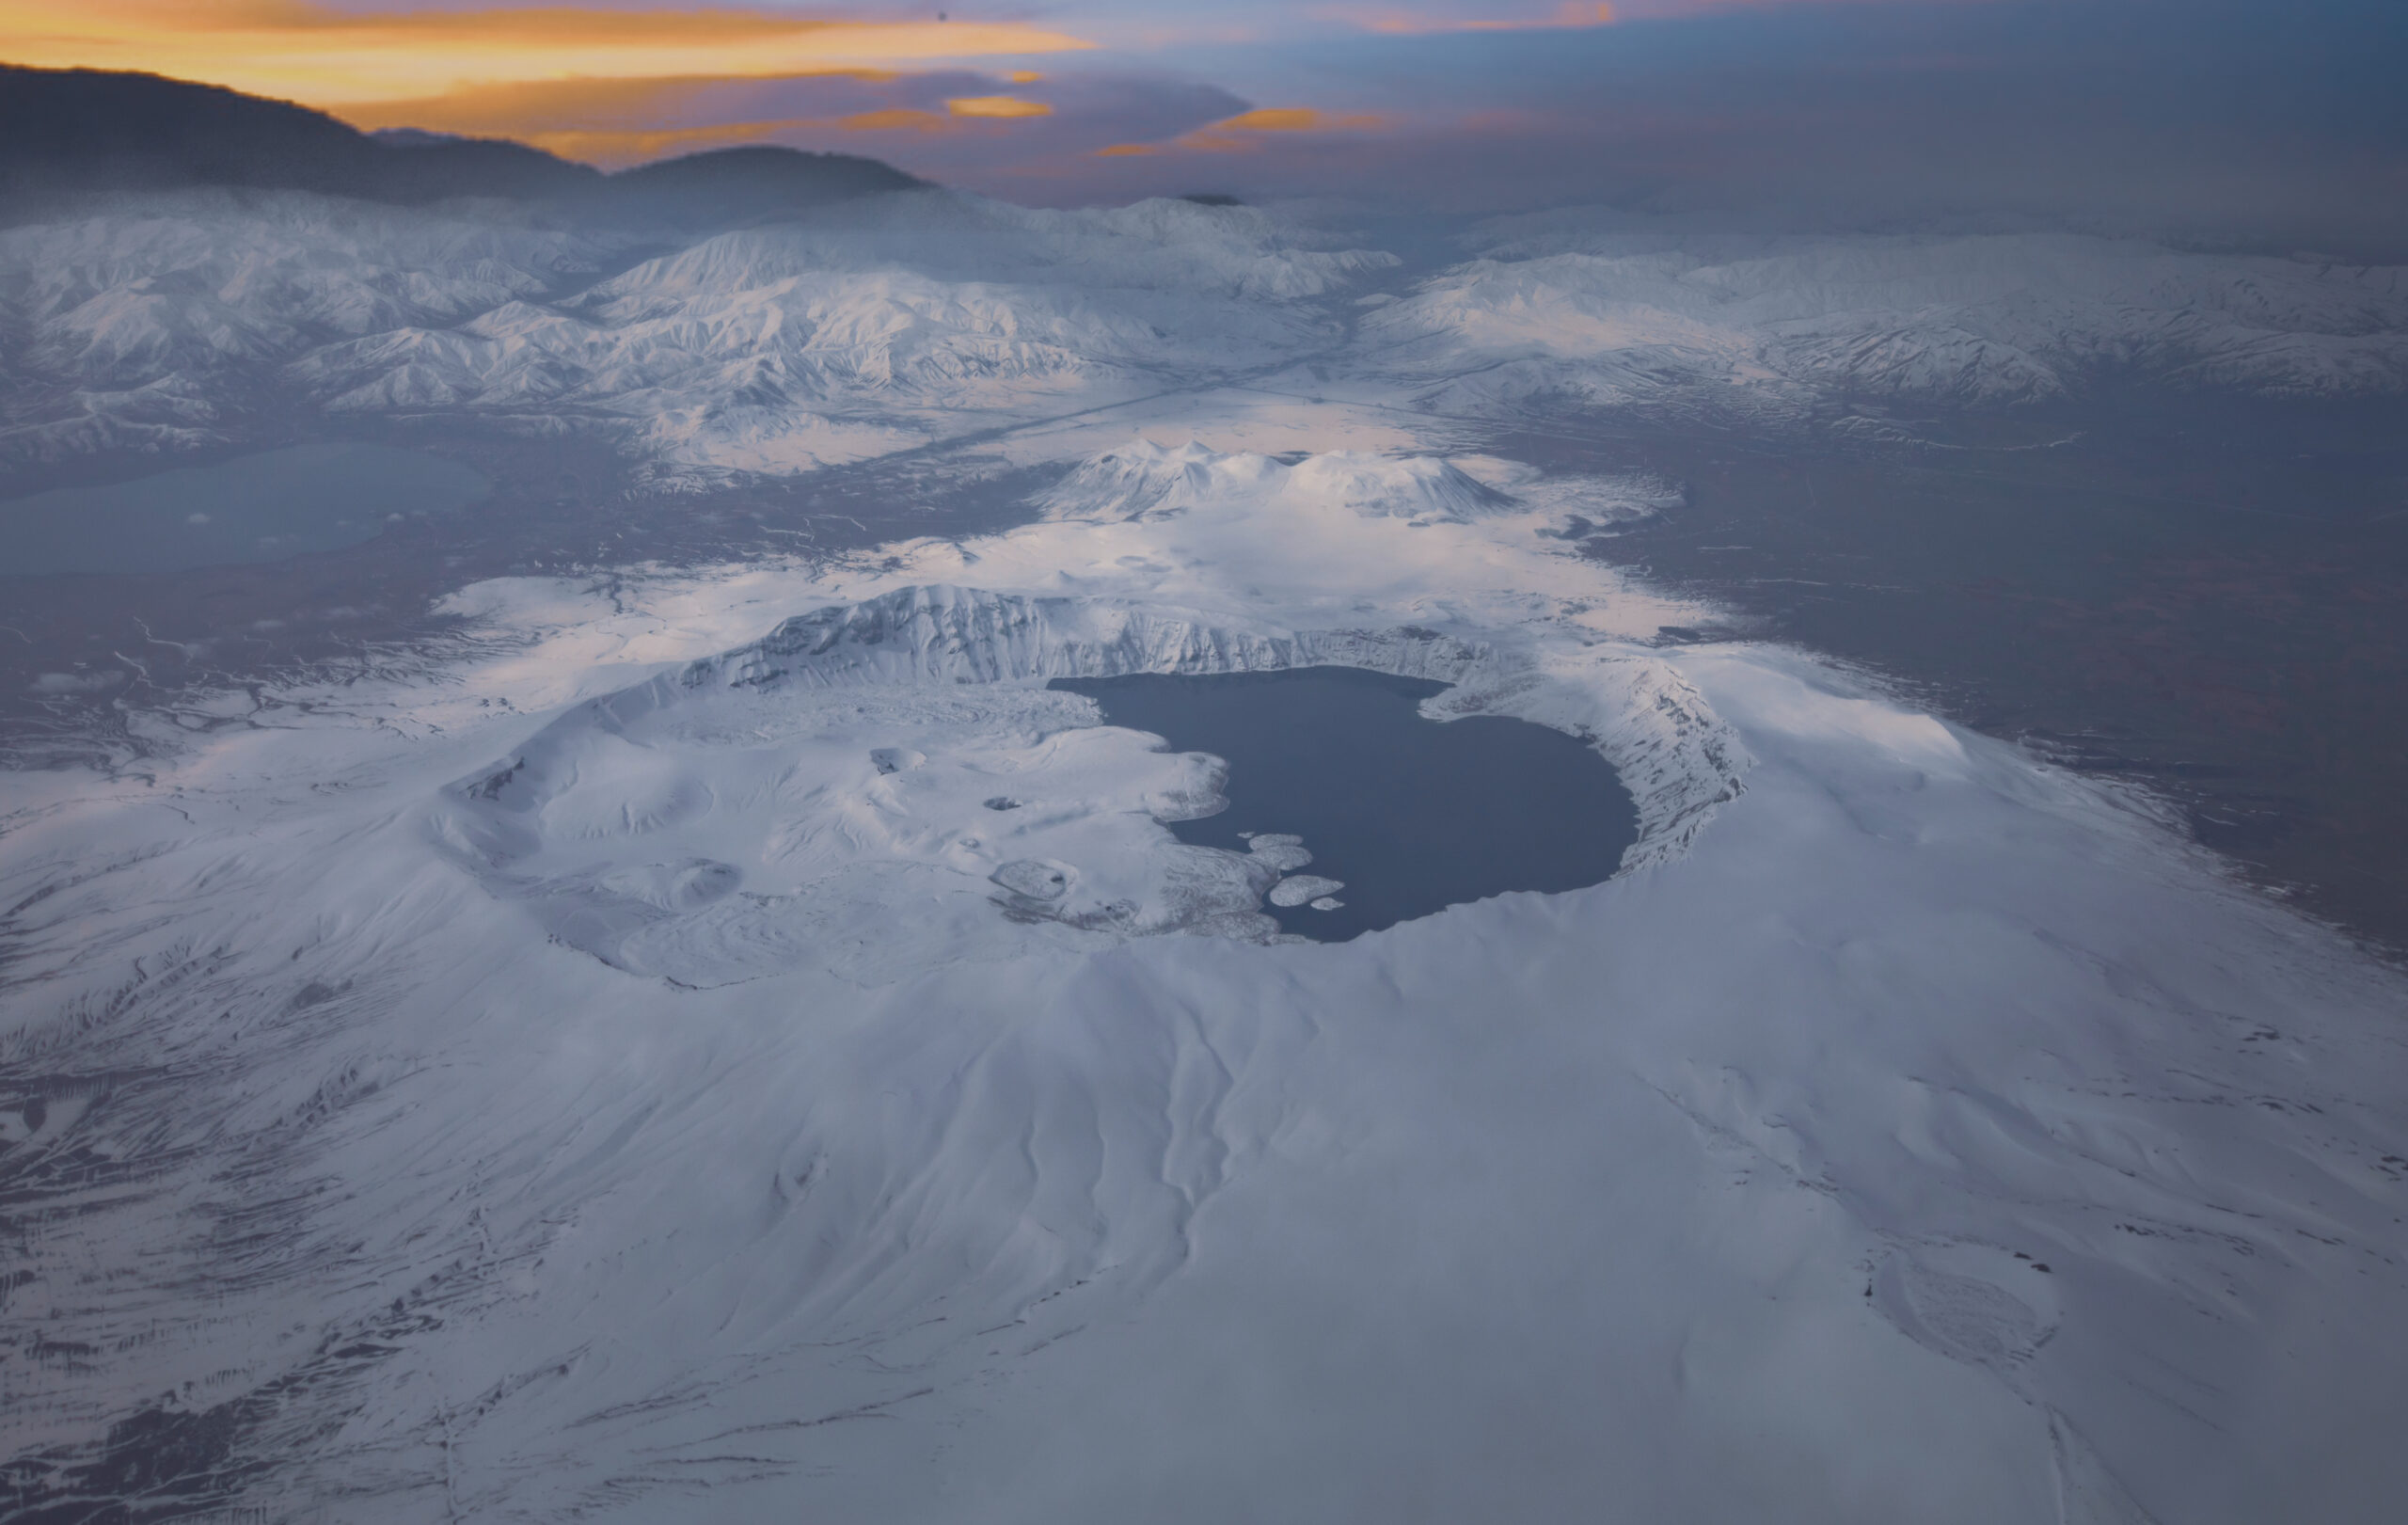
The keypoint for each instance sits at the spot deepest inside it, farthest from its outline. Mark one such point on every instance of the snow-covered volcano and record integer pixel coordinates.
(617, 1073)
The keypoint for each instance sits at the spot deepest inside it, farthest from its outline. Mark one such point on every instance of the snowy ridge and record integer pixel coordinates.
(667, 828)
(1159, 244)
(881, 325)
(1557, 307)
(1677, 759)
(864, 329)
(138, 323)
(956, 635)
(661, 828)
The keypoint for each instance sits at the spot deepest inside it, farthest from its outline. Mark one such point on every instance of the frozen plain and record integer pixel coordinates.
(590, 1074)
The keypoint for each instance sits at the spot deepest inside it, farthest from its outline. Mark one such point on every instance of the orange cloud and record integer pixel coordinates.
(1572, 13)
(1566, 15)
(611, 147)
(1240, 133)
(1276, 120)
(531, 107)
(1243, 133)
(303, 51)
(894, 119)
(1297, 119)
(997, 106)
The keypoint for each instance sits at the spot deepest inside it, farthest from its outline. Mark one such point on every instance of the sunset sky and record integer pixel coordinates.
(2194, 109)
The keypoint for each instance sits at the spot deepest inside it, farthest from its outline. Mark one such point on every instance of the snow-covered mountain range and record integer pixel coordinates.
(1557, 310)
(150, 328)
(766, 350)
(174, 322)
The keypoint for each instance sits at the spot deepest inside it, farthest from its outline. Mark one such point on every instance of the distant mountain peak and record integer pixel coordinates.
(69, 130)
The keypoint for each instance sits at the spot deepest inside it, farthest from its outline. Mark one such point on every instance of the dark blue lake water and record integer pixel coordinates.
(1412, 815)
(268, 507)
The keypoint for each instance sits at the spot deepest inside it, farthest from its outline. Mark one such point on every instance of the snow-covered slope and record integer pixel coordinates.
(633, 1072)
(143, 328)
(862, 330)
(1556, 309)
